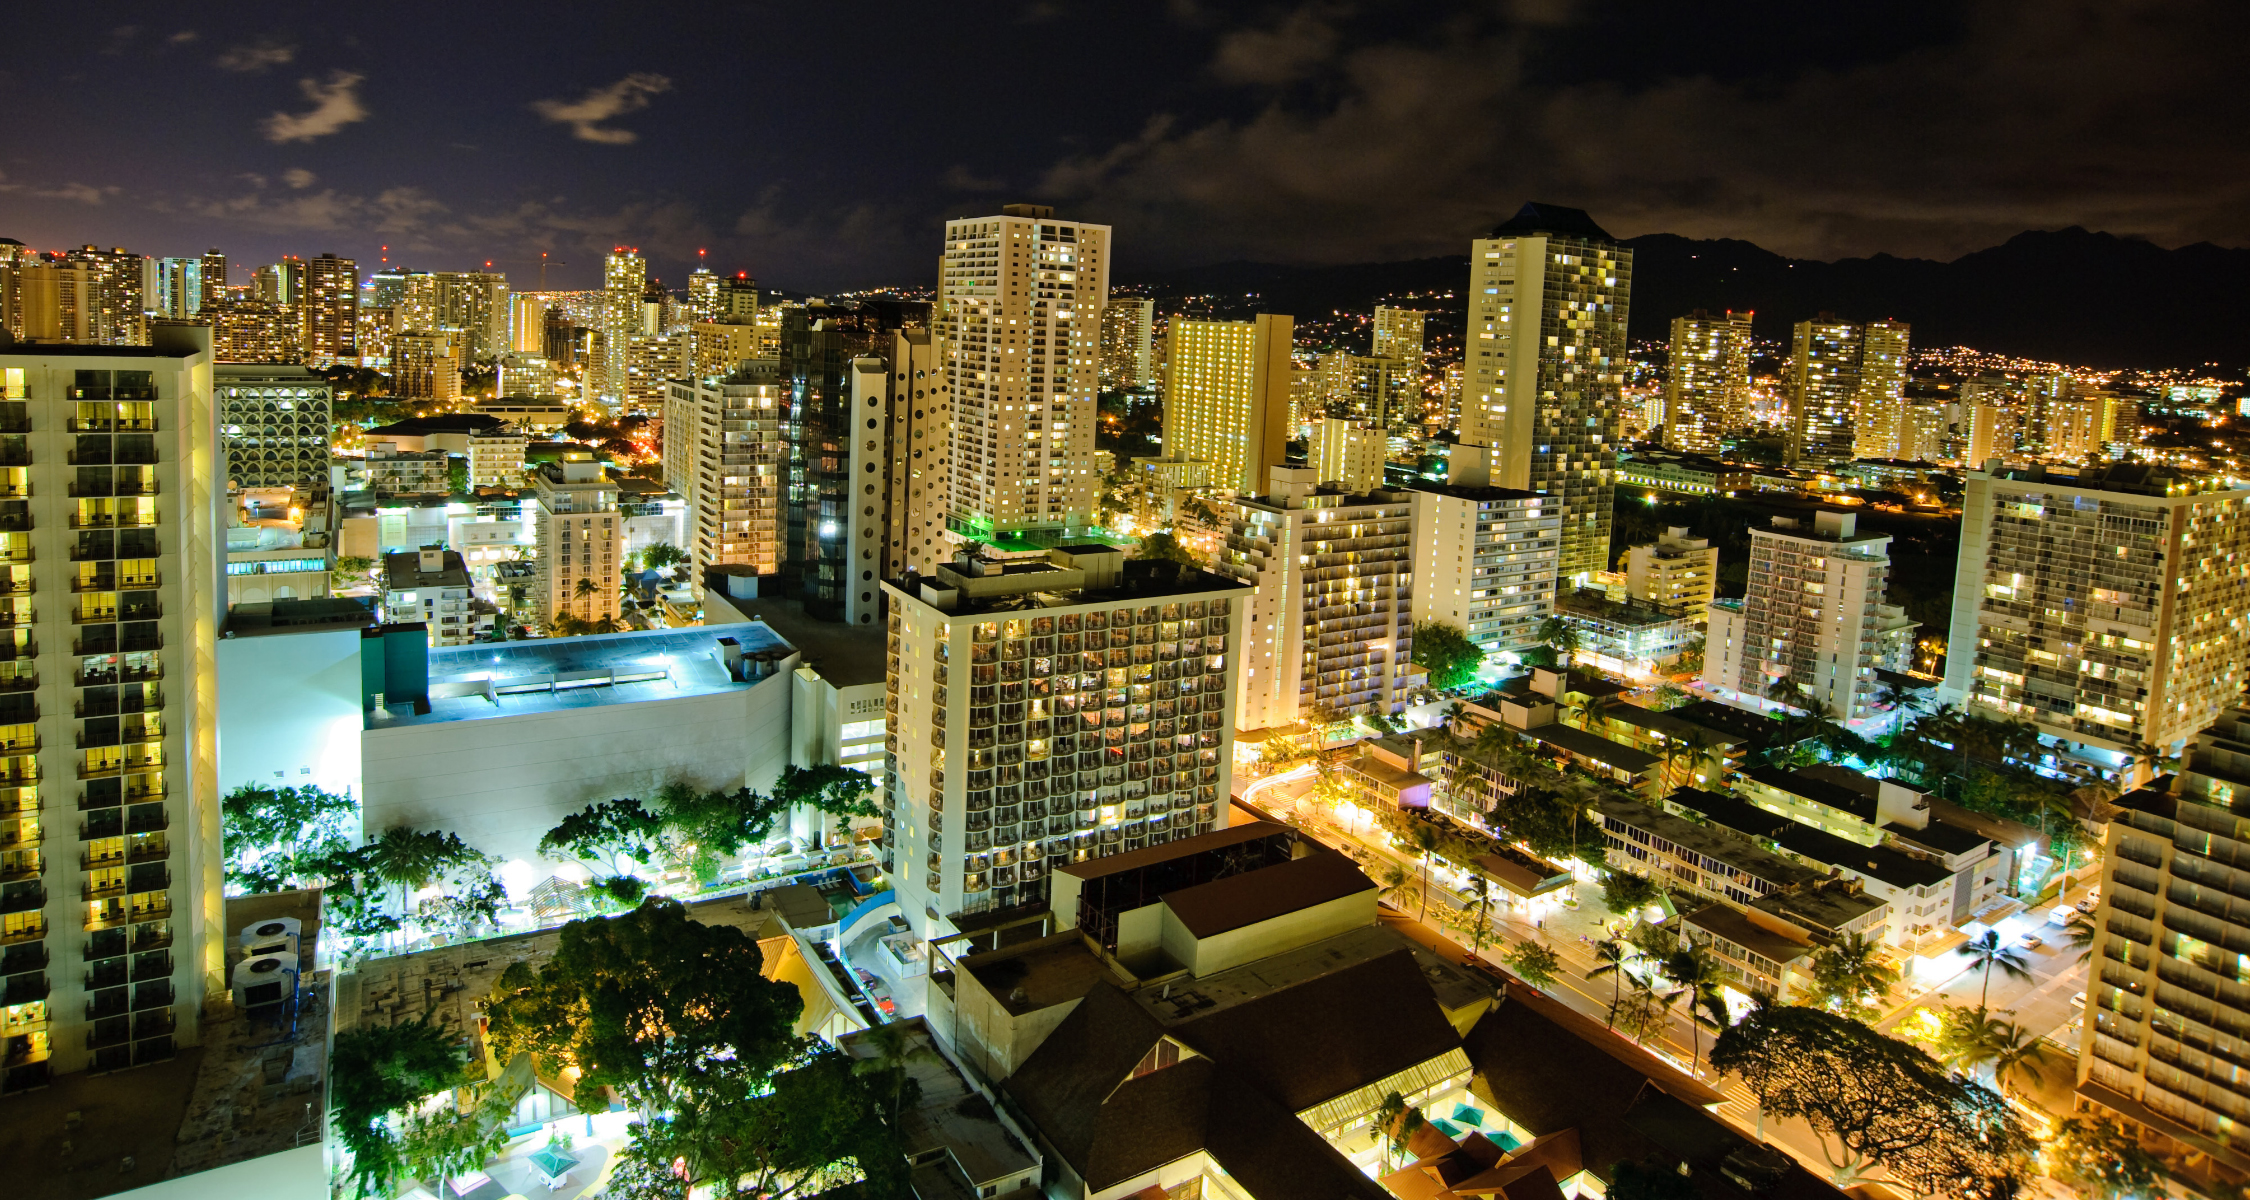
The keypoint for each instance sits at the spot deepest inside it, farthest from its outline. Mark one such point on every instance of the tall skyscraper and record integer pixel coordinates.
(725, 455)
(1030, 736)
(1349, 454)
(1807, 621)
(906, 532)
(426, 366)
(274, 425)
(252, 331)
(214, 276)
(1707, 388)
(1990, 434)
(2162, 1003)
(111, 908)
(121, 308)
(1019, 314)
(1543, 408)
(832, 480)
(330, 311)
(2106, 608)
(55, 304)
(1331, 623)
(179, 288)
(1226, 397)
(1823, 387)
(1398, 334)
(726, 299)
(624, 279)
(1880, 405)
(1128, 344)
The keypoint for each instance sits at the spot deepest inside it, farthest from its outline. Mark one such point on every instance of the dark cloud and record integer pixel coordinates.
(2040, 113)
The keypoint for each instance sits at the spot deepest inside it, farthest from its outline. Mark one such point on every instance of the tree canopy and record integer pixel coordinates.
(276, 838)
(649, 1003)
(376, 1071)
(1446, 653)
(1875, 1100)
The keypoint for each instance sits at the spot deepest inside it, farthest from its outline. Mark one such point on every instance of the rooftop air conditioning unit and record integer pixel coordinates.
(276, 936)
(266, 979)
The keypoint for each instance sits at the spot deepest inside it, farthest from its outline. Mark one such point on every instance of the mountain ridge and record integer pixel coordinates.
(2067, 295)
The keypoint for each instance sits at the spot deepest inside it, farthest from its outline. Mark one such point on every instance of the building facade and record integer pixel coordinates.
(274, 423)
(2107, 608)
(1543, 405)
(1676, 570)
(580, 538)
(1045, 713)
(1226, 397)
(329, 312)
(1349, 454)
(110, 908)
(1806, 630)
(1707, 388)
(1331, 623)
(1018, 317)
(724, 455)
(1484, 562)
(624, 279)
(1128, 346)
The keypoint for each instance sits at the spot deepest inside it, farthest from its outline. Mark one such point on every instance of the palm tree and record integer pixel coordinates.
(1611, 957)
(1693, 748)
(2016, 1052)
(1456, 715)
(408, 859)
(1850, 976)
(894, 1051)
(1425, 840)
(1972, 1040)
(1480, 904)
(1988, 952)
(1694, 971)
(586, 587)
(1397, 883)
(1782, 692)
(1561, 637)
(2082, 932)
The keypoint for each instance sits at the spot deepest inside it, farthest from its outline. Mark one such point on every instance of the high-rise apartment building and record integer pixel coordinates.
(281, 283)
(1823, 387)
(1707, 389)
(1991, 434)
(1543, 409)
(472, 305)
(1398, 334)
(111, 917)
(1921, 433)
(1330, 624)
(2164, 1008)
(836, 459)
(2106, 608)
(581, 538)
(214, 276)
(252, 331)
(527, 322)
(273, 424)
(1807, 624)
(2086, 423)
(178, 290)
(426, 366)
(901, 389)
(120, 307)
(55, 304)
(1677, 570)
(1880, 405)
(1356, 387)
(1484, 563)
(1128, 344)
(725, 455)
(653, 361)
(1019, 319)
(1226, 397)
(329, 311)
(1349, 454)
(1050, 712)
(725, 299)
(624, 279)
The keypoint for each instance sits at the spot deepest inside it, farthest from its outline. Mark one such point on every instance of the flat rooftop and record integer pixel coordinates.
(1190, 998)
(845, 655)
(507, 679)
(1746, 933)
(1213, 908)
(1143, 581)
(298, 616)
(1053, 970)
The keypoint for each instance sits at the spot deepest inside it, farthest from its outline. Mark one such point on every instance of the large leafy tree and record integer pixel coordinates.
(1446, 653)
(1874, 1101)
(275, 838)
(836, 791)
(706, 827)
(376, 1071)
(1534, 964)
(615, 835)
(649, 1003)
(411, 860)
(2103, 1160)
(814, 1126)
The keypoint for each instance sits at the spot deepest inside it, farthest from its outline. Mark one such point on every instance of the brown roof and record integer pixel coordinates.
(1133, 860)
(1208, 909)
(1327, 1036)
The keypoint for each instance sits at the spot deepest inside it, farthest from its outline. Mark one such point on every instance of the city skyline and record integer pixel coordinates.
(300, 137)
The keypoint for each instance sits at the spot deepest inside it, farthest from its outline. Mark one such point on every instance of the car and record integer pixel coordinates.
(2086, 905)
(2034, 942)
(2078, 1001)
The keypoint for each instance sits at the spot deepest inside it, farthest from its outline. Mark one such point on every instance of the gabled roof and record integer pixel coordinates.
(1551, 218)
(1380, 1016)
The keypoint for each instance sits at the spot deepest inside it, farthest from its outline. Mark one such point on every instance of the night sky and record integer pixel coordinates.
(820, 145)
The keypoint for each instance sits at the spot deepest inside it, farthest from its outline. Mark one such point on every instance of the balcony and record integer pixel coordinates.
(110, 1031)
(22, 898)
(152, 821)
(110, 973)
(152, 995)
(111, 1002)
(29, 933)
(108, 890)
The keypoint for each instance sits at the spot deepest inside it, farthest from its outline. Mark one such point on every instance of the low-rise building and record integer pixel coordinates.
(1683, 474)
(432, 586)
(1630, 637)
(1675, 571)
(395, 472)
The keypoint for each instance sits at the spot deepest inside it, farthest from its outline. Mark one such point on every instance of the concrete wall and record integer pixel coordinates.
(503, 782)
(289, 710)
(1303, 927)
(295, 1174)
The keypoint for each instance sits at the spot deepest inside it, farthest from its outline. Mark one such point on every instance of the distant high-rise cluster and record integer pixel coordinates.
(1846, 390)
(1707, 391)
